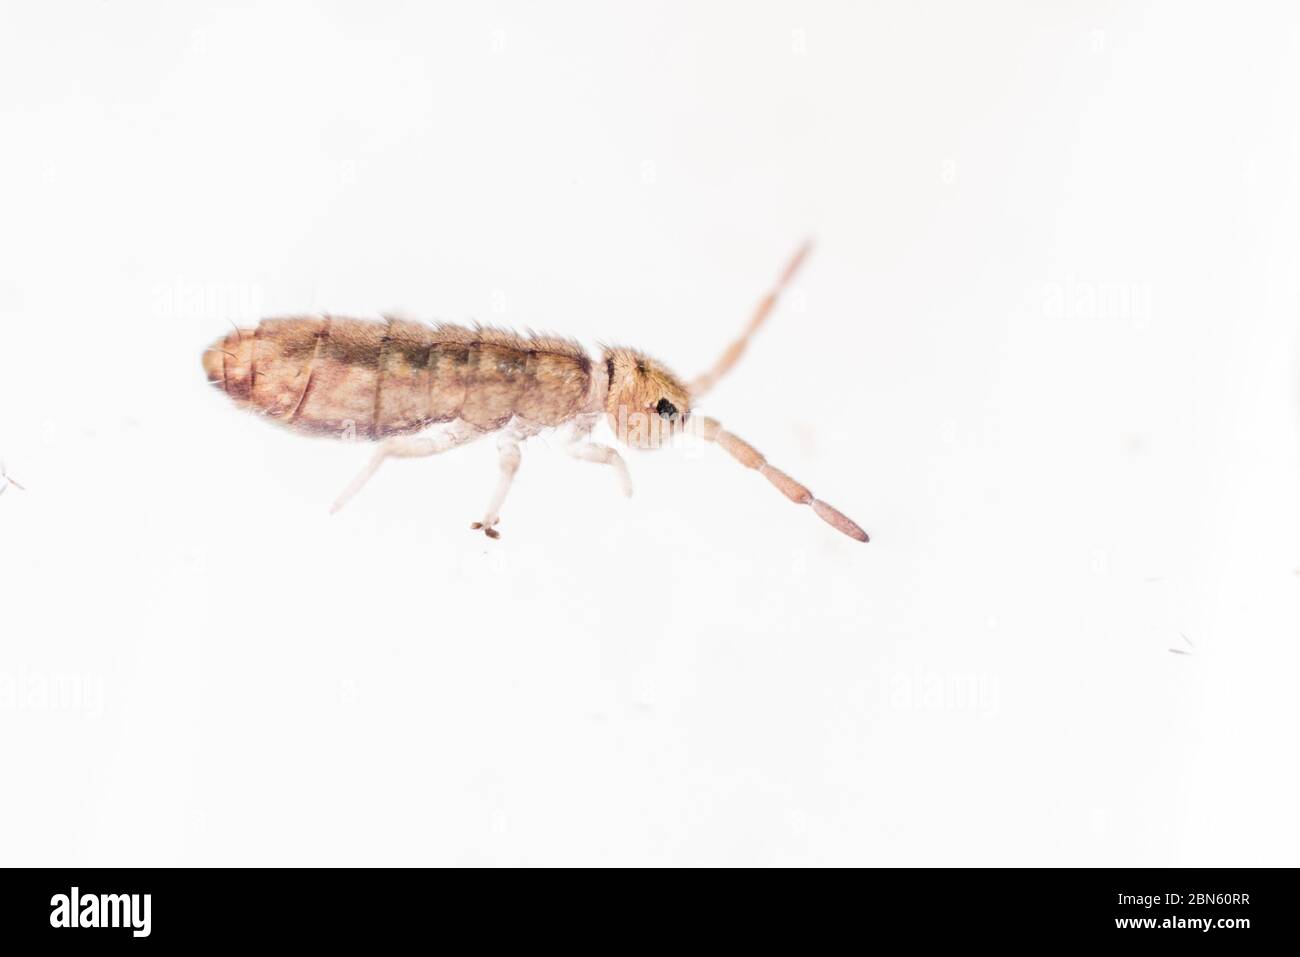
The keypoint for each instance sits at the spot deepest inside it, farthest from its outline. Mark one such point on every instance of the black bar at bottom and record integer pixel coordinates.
(211, 906)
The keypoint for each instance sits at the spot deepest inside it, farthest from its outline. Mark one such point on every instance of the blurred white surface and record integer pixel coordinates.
(1045, 353)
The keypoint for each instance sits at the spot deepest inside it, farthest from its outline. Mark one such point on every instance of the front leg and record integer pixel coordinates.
(580, 447)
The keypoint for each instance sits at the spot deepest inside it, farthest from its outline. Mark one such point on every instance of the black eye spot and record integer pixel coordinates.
(666, 409)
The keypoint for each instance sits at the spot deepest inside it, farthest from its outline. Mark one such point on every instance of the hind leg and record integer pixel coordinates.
(406, 447)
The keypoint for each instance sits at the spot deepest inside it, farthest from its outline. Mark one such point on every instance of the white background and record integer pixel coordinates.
(1045, 352)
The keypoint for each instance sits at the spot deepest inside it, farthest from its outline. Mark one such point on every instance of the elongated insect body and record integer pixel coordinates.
(393, 381)
(382, 379)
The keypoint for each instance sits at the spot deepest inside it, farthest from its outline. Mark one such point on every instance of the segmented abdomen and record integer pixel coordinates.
(332, 375)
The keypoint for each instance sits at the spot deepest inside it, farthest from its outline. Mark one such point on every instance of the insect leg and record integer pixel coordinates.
(406, 447)
(587, 451)
(508, 446)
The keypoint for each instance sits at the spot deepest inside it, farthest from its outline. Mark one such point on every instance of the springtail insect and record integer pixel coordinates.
(419, 390)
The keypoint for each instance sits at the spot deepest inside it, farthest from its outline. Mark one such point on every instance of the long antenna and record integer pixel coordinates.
(707, 380)
(711, 430)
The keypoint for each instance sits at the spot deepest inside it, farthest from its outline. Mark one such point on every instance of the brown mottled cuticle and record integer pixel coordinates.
(326, 375)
